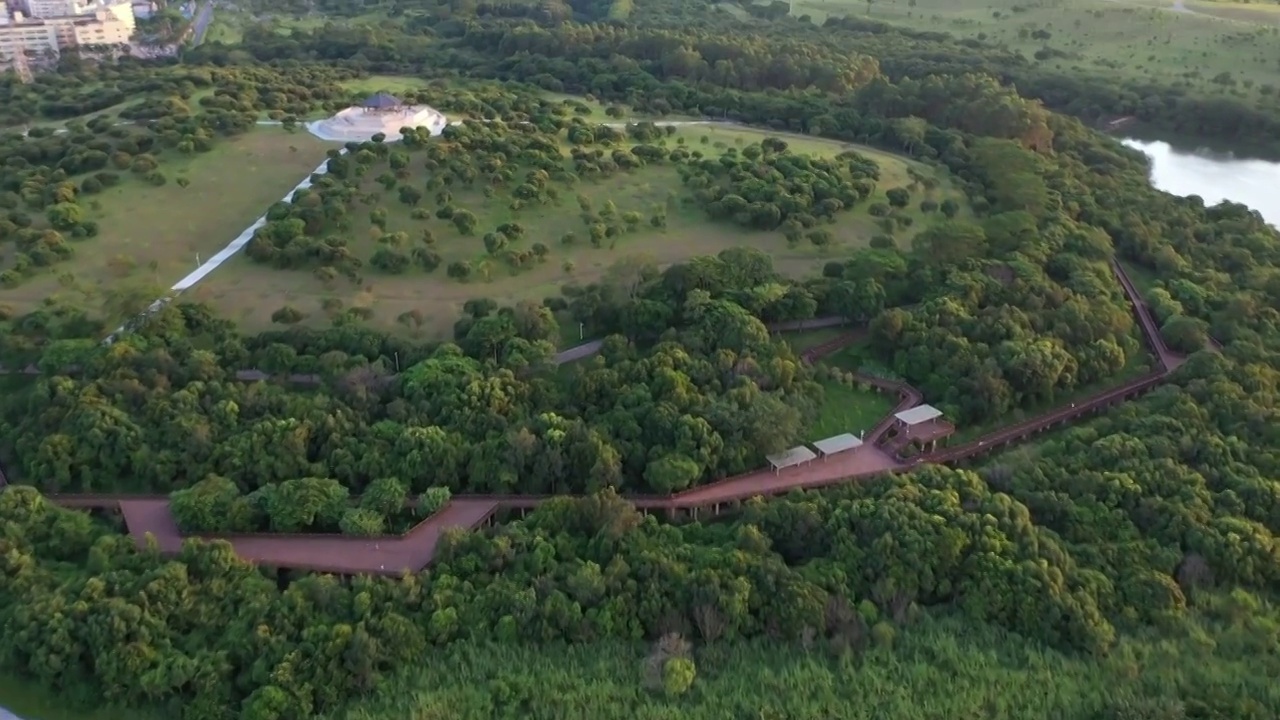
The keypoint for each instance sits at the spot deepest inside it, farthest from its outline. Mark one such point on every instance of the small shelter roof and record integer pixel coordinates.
(838, 443)
(918, 414)
(791, 458)
(382, 101)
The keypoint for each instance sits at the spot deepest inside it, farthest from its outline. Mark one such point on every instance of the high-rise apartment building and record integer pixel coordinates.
(55, 8)
(48, 26)
(21, 35)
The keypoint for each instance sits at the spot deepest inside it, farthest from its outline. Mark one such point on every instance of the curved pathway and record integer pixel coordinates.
(150, 516)
(240, 241)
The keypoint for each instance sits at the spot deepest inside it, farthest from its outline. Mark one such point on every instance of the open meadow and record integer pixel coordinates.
(1205, 47)
(149, 237)
(848, 405)
(230, 21)
(519, 247)
(588, 108)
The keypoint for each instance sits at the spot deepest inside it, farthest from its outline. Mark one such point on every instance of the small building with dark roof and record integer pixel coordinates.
(382, 102)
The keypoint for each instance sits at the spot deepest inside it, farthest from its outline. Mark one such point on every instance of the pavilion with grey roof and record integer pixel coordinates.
(837, 444)
(922, 425)
(382, 102)
(797, 455)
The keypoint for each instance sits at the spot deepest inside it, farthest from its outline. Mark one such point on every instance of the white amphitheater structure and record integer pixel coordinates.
(381, 113)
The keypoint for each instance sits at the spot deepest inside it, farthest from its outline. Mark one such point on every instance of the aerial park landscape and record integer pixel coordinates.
(640, 359)
(150, 521)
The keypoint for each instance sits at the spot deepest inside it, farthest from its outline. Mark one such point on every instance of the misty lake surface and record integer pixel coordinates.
(1214, 176)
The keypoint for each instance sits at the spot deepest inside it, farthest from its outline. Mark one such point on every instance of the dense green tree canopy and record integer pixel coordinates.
(1156, 520)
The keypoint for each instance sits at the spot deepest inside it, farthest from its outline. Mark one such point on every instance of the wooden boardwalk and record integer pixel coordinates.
(149, 518)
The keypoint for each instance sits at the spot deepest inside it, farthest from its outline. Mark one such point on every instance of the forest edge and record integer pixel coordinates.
(151, 523)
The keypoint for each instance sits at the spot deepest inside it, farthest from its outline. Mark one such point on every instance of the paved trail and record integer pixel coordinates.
(225, 254)
(203, 19)
(151, 517)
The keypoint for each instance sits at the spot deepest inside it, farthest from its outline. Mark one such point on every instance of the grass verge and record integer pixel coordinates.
(152, 235)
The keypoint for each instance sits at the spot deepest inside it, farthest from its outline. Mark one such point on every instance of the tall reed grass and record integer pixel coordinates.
(943, 669)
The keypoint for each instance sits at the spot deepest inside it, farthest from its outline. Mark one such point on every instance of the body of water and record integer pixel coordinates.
(1214, 176)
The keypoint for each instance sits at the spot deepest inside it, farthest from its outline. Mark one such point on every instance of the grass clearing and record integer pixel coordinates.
(572, 332)
(230, 21)
(895, 170)
(849, 410)
(596, 110)
(1212, 48)
(314, 20)
(249, 292)
(858, 358)
(384, 83)
(151, 235)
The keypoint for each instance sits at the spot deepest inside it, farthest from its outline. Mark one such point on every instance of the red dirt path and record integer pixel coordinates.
(149, 516)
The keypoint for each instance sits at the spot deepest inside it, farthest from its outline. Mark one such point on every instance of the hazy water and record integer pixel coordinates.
(1214, 177)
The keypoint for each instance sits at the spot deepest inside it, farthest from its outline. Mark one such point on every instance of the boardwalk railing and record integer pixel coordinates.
(1032, 426)
(416, 549)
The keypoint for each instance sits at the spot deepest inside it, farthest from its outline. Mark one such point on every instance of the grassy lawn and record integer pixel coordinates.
(572, 334)
(849, 410)
(249, 293)
(229, 22)
(384, 83)
(895, 170)
(597, 110)
(151, 235)
(285, 23)
(1188, 44)
(857, 358)
(397, 84)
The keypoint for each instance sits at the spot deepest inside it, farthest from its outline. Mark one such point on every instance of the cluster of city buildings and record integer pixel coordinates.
(35, 30)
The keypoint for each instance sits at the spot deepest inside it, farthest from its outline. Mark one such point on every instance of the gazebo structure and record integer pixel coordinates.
(837, 444)
(382, 103)
(380, 114)
(797, 455)
(922, 425)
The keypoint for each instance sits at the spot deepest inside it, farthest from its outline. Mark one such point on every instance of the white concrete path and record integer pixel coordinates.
(245, 235)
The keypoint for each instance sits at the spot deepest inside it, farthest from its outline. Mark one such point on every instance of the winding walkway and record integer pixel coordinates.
(149, 518)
